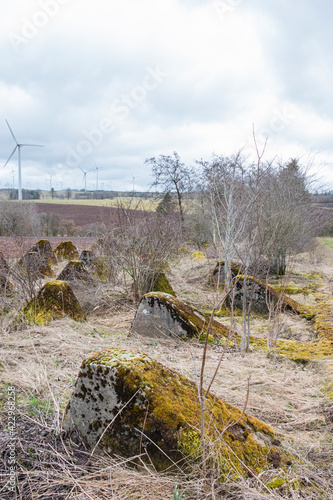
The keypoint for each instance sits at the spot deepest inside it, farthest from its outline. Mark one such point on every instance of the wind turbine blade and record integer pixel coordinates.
(34, 145)
(84, 176)
(11, 155)
(81, 169)
(12, 133)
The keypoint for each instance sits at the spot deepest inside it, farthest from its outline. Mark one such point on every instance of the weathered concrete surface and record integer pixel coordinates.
(128, 404)
(36, 265)
(75, 271)
(160, 314)
(258, 292)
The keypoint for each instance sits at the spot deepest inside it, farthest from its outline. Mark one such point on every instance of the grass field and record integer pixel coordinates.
(328, 242)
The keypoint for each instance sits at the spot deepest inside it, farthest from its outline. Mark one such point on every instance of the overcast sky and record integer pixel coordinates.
(110, 83)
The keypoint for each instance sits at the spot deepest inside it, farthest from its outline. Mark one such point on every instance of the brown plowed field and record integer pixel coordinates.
(84, 216)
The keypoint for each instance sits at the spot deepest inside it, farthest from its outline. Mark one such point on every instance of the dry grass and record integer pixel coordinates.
(128, 202)
(43, 362)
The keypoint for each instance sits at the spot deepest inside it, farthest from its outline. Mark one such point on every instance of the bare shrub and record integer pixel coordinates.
(138, 245)
(17, 219)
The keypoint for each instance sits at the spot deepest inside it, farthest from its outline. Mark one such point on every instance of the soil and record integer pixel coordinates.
(82, 215)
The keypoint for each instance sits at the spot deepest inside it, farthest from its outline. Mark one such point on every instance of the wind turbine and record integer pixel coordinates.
(96, 177)
(133, 182)
(18, 148)
(85, 178)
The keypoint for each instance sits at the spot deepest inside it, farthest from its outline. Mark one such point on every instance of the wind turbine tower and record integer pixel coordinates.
(85, 178)
(133, 179)
(18, 148)
(96, 177)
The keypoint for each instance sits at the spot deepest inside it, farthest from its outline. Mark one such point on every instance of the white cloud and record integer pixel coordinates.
(257, 63)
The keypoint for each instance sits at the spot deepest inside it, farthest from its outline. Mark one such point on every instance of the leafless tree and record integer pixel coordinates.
(225, 189)
(173, 176)
(262, 216)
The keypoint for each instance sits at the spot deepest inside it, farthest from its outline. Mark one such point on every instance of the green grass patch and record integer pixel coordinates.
(328, 242)
(37, 406)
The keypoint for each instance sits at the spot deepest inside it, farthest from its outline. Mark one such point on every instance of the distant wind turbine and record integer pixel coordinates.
(85, 178)
(96, 177)
(133, 178)
(18, 147)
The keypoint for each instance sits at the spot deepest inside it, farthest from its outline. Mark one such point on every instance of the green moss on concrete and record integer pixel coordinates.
(44, 249)
(162, 284)
(291, 289)
(55, 300)
(66, 250)
(167, 410)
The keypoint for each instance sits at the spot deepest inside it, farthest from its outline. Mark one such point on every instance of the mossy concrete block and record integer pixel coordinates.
(36, 265)
(66, 250)
(44, 249)
(87, 257)
(75, 271)
(259, 292)
(262, 294)
(55, 300)
(160, 314)
(128, 404)
(219, 274)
